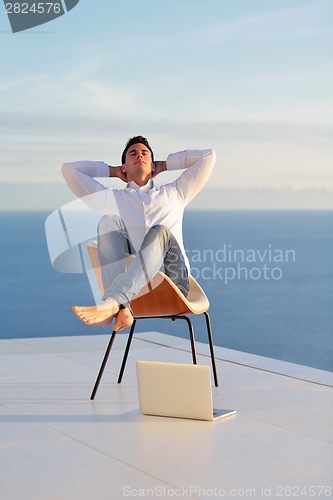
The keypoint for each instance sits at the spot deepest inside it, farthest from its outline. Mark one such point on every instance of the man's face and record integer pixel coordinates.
(138, 164)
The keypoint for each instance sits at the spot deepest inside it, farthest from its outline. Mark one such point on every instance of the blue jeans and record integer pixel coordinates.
(159, 252)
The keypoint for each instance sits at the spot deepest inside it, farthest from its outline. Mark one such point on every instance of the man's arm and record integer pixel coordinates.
(197, 165)
(80, 176)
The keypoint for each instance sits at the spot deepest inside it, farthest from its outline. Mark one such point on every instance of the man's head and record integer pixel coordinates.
(136, 140)
(138, 160)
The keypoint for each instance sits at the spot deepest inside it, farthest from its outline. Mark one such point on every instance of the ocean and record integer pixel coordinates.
(268, 276)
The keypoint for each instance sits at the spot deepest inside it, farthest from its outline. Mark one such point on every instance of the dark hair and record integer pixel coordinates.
(136, 140)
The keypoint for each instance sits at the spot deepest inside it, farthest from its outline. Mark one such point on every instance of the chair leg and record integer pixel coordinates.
(212, 355)
(102, 368)
(128, 345)
(190, 327)
(130, 337)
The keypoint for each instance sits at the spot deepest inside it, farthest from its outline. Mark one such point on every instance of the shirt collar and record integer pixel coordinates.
(145, 188)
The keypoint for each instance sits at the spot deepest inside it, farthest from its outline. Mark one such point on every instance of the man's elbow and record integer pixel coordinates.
(208, 153)
(212, 154)
(65, 169)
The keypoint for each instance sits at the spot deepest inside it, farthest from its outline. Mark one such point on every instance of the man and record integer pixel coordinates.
(141, 220)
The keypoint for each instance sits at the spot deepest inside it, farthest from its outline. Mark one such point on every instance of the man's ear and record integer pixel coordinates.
(152, 167)
(123, 168)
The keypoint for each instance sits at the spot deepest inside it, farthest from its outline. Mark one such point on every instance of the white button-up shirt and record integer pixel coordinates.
(143, 207)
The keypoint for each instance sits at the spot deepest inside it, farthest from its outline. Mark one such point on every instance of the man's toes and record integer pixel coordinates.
(77, 310)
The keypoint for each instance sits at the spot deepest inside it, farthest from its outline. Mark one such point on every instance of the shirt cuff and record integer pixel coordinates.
(102, 169)
(176, 161)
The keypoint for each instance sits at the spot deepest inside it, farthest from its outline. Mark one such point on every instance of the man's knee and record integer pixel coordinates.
(164, 234)
(109, 223)
(160, 233)
(165, 237)
(161, 230)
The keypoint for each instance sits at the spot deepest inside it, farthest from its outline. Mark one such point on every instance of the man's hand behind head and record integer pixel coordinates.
(118, 172)
(160, 166)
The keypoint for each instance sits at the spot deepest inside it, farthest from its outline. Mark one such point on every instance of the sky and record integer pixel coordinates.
(251, 79)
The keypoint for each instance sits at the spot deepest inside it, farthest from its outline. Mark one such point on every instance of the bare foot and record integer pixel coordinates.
(123, 319)
(101, 315)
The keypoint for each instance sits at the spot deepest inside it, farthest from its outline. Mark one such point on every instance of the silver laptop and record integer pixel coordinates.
(176, 390)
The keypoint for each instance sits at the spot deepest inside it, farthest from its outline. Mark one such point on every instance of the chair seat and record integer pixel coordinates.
(160, 297)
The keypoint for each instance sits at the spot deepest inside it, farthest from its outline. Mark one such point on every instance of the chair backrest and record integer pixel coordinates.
(160, 297)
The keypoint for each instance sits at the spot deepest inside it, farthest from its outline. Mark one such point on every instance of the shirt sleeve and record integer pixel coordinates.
(198, 165)
(80, 176)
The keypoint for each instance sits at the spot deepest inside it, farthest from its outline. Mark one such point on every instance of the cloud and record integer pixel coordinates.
(287, 23)
(61, 124)
(276, 156)
(70, 92)
(273, 24)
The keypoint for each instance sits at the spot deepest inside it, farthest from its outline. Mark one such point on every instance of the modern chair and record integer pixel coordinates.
(159, 299)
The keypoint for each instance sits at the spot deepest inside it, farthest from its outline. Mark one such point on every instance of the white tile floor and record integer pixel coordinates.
(57, 444)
